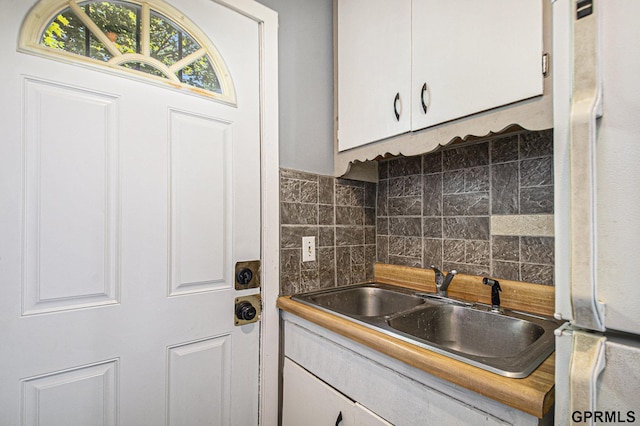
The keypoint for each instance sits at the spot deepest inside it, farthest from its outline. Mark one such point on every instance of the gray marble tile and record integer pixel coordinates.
(369, 216)
(369, 234)
(478, 252)
(504, 188)
(327, 268)
(432, 163)
(349, 195)
(432, 252)
(537, 250)
(295, 174)
(432, 227)
(504, 149)
(476, 179)
(326, 214)
(370, 194)
(383, 170)
(290, 261)
(396, 187)
(536, 200)
(291, 236)
(538, 274)
(343, 266)
(432, 194)
(309, 280)
(358, 274)
(347, 215)
(536, 144)
(464, 268)
(536, 172)
(506, 248)
(413, 185)
(295, 213)
(466, 157)
(382, 249)
(289, 190)
(369, 261)
(382, 197)
(357, 255)
(396, 246)
(289, 283)
(405, 166)
(506, 270)
(349, 235)
(453, 251)
(413, 247)
(325, 190)
(327, 236)
(471, 204)
(405, 206)
(406, 226)
(382, 225)
(453, 182)
(309, 192)
(405, 261)
(466, 228)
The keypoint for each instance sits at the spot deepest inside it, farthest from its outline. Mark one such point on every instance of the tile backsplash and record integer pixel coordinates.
(340, 214)
(441, 208)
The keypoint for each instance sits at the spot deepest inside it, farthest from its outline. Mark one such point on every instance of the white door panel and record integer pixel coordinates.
(125, 205)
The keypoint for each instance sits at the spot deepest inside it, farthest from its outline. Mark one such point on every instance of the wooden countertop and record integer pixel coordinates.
(534, 394)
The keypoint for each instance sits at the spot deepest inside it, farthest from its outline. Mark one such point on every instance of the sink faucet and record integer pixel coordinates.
(442, 281)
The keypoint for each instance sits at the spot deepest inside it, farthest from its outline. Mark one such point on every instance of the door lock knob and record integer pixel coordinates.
(245, 311)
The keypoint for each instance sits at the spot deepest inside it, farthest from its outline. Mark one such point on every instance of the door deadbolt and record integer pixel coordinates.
(247, 309)
(244, 276)
(247, 274)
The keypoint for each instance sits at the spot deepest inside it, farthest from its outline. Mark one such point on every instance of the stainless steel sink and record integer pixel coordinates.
(363, 301)
(511, 344)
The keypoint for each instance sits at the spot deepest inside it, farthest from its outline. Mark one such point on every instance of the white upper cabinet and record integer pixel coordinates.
(470, 56)
(374, 73)
(405, 65)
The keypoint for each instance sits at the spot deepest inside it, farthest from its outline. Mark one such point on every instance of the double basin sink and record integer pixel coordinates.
(509, 343)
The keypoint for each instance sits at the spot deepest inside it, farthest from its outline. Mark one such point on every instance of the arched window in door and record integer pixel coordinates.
(149, 39)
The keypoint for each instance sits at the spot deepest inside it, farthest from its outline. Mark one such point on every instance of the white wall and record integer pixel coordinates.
(305, 84)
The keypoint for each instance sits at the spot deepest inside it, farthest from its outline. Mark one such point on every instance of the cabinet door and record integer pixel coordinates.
(374, 70)
(469, 56)
(309, 401)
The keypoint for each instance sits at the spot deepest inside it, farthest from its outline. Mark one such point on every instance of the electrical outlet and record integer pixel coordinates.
(308, 249)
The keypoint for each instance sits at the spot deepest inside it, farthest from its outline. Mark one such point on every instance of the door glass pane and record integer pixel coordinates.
(119, 21)
(200, 74)
(169, 43)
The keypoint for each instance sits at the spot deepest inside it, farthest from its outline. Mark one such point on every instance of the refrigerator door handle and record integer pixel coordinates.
(586, 107)
(587, 362)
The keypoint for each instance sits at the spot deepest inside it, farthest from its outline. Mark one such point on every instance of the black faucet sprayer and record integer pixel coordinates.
(495, 293)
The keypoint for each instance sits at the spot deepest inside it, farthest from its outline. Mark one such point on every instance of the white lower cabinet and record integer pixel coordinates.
(326, 375)
(309, 401)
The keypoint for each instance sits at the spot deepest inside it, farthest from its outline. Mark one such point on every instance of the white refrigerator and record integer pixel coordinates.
(596, 67)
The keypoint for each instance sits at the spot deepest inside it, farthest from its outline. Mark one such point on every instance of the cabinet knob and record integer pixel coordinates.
(422, 92)
(396, 100)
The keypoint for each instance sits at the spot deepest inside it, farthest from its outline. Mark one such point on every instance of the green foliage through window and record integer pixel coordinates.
(105, 31)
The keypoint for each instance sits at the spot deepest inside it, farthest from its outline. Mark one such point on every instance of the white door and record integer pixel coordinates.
(124, 207)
